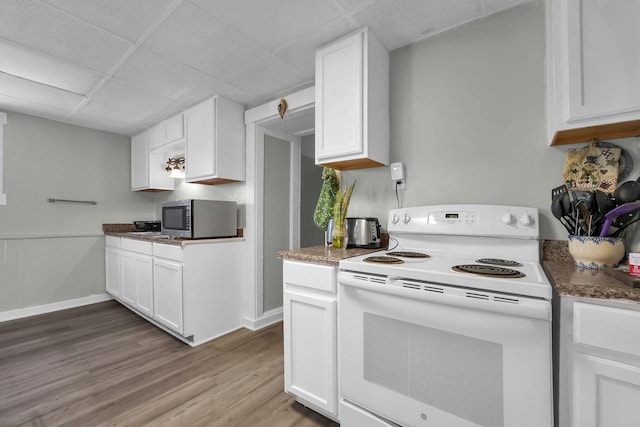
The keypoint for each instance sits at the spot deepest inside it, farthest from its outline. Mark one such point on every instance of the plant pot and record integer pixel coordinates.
(339, 235)
(596, 252)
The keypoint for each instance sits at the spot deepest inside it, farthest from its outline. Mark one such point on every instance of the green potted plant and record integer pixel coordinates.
(339, 234)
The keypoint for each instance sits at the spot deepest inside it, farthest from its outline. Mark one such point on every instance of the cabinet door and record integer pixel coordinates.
(606, 393)
(201, 144)
(604, 57)
(174, 128)
(128, 277)
(144, 284)
(339, 98)
(310, 336)
(156, 136)
(167, 295)
(112, 267)
(139, 161)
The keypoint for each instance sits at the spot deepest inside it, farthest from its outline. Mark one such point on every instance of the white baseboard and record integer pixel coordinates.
(267, 319)
(56, 306)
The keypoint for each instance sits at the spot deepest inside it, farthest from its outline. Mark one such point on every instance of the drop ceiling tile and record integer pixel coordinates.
(301, 55)
(228, 91)
(195, 38)
(101, 115)
(397, 26)
(162, 75)
(25, 106)
(267, 77)
(38, 93)
(492, 6)
(125, 98)
(45, 29)
(286, 19)
(126, 18)
(352, 6)
(32, 65)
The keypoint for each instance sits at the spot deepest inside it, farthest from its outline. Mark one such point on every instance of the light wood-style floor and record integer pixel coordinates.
(102, 365)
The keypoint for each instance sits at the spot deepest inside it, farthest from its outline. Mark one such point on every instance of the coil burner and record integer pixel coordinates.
(383, 260)
(499, 262)
(488, 270)
(405, 254)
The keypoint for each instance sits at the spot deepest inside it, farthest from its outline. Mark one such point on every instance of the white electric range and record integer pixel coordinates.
(451, 325)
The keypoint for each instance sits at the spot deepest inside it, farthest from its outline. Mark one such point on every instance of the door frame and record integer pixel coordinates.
(254, 316)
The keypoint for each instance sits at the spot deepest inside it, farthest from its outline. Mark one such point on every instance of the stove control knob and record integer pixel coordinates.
(526, 219)
(508, 218)
(395, 219)
(406, 218)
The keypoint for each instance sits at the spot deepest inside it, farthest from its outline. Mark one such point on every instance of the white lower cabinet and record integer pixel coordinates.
(599, 364)
(168, 294)
(112, 266)
(606, 392)
(192, 290)
(310, 335)
(136, 276)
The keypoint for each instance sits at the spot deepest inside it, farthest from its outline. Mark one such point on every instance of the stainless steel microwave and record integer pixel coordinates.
(197, 219)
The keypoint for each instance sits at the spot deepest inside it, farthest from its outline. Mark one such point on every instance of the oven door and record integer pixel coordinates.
(421, 354)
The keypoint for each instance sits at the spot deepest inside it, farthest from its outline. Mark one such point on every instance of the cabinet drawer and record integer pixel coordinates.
(607, 327)
(315, 276)
(136, 246)
(112, 242)
(173, 252)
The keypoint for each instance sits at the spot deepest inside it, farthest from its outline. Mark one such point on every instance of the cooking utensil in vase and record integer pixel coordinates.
(627, 192)
(558, 191)
(620, 210)
(622, 223)
(556, 210)
(568, 211)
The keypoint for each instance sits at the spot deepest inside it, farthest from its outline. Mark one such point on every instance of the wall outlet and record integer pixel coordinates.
(397, 176)
(401, 184)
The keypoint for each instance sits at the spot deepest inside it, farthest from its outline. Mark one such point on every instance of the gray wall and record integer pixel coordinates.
(51, 252)
(468, 121)
(277, 160)
(310, 187)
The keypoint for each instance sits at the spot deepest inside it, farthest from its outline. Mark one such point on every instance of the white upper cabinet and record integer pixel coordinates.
(210, 136)
(147, 166)
(352, 103)
(167, 132)
(593, 89)
(215, 142)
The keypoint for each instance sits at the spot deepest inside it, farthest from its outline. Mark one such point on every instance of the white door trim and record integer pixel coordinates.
(254, 118)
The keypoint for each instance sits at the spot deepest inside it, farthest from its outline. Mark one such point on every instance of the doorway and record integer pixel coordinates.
(271, 198)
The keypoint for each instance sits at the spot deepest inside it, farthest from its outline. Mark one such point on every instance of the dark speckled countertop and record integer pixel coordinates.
(326, 255)
(569, 280)
(566, 278)
(129, 231)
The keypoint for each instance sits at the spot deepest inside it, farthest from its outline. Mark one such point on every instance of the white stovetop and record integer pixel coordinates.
(437, 269)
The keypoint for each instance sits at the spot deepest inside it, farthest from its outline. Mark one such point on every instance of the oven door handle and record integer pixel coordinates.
(459, 297)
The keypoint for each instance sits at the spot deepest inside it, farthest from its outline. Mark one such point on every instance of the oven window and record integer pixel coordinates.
(174, 218)
(455, 373)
